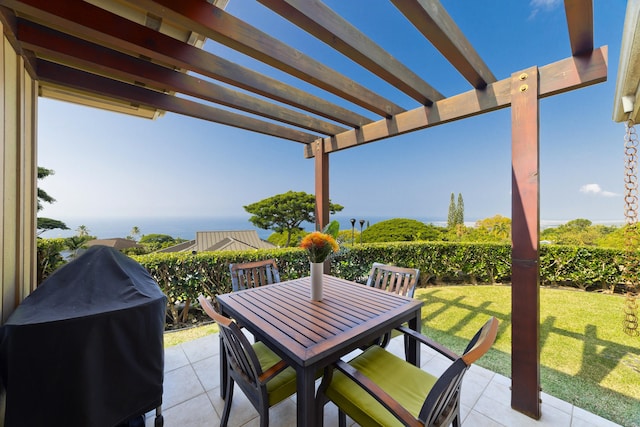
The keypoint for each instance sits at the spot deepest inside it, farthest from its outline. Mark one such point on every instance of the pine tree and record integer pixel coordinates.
(451, 216)
(460, 211)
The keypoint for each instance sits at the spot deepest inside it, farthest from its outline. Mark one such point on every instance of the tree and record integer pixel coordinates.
(135, 231)
(284, 213)
(75, 243)
(153, 242)
(401, 230)
(459, 216)
(455, 216)
(82, 231)
(494, 229)
(579, 232)
(43, 224)
(451, 216)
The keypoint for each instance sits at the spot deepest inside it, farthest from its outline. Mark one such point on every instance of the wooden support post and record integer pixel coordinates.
(321, 184)
(525, 230)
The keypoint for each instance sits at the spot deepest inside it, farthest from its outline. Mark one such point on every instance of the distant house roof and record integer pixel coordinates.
(116, 243)
(234, 240)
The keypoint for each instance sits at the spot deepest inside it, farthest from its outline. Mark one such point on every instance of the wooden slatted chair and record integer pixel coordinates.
(253, 274)
(264, 377)
(399, 280)
(379, 388)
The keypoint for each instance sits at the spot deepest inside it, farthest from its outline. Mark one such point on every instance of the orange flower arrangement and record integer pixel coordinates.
(319, 246)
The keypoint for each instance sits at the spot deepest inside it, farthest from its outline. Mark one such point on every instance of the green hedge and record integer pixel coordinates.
(184, 276)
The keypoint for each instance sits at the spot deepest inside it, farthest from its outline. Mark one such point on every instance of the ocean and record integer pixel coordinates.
(186, 228)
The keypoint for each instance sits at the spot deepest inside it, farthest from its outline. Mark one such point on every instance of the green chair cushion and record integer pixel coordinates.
(406, 383)
(282, 385)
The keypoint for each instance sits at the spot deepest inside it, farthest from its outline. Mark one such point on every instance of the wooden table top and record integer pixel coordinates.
(306, 331)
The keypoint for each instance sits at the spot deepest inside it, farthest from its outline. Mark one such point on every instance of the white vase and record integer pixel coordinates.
(317, 269)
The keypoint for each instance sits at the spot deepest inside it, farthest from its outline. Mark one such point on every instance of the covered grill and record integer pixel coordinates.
(86, 347)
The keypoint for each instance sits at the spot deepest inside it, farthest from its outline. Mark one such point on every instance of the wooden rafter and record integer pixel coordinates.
(226, 29)
(433, 21)
(101, 86)
(562, 76)
(316, 18)
(88, 22)
(68, 50)
(580, 23)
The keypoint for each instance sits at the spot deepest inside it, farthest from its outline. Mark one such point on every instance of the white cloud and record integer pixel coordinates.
(597, 190)
(542, 5)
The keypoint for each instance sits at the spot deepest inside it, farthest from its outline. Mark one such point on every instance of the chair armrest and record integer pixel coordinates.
(428, 342)
(273, 371)
(379, 394)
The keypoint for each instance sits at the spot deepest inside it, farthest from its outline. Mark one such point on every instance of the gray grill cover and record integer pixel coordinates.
(86, 347)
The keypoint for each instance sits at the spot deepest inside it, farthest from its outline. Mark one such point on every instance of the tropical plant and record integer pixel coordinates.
(82, 231)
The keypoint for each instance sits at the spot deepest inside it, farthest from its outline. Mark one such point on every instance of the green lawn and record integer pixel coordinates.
(586, 358)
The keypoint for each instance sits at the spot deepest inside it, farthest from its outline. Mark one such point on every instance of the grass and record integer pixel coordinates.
(173, 338)
(585, 357)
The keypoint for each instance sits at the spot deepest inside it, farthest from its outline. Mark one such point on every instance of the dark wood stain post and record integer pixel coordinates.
(525, 230)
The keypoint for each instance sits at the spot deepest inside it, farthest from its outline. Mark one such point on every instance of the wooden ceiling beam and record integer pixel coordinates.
(580, 24)
(433, 21)
(88, 22)
(323, 23)
(559, 77)
(218, 25)
(82, 81)
(62, 48)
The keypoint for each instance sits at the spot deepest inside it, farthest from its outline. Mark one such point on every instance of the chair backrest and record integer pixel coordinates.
(253, 274)
(443, 399)
(399, 280)
(240, 354)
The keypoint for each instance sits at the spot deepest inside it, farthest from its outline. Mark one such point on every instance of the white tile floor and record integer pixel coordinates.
(192, 396)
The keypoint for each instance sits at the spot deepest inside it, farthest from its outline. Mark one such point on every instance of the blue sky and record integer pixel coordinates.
(112, 165)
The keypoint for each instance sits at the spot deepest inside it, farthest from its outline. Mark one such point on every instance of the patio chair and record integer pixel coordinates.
(399, 280)
(379, 388)
(264, 377)
(253, 274)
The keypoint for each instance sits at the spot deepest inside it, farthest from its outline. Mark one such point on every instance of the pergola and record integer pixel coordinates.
(133, 56)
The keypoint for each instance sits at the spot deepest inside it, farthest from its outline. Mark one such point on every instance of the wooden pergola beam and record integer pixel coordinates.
(86, 82)
(580, 24)
(76, 53)
(218, 25)
(562, 76)
(319, 20)
(433, 21)
(88, 22)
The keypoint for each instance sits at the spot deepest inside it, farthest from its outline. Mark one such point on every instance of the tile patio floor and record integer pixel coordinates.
(192, 395)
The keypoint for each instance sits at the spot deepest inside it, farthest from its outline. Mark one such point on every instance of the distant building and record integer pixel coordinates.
(116, 243)
(208, 241)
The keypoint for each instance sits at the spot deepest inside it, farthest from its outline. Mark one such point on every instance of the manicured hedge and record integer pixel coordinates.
(184, 276)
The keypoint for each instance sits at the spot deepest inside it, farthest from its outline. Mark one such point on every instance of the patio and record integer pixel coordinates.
(192, 396)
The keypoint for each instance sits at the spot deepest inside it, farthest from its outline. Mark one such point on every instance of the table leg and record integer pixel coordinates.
(306, 389)
(412, 348)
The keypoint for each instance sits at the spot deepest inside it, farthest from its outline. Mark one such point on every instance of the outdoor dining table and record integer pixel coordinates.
(310, 335)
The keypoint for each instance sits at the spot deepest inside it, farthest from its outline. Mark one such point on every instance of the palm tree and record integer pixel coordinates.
(82, 231)
(135, 231)
(74, 244)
